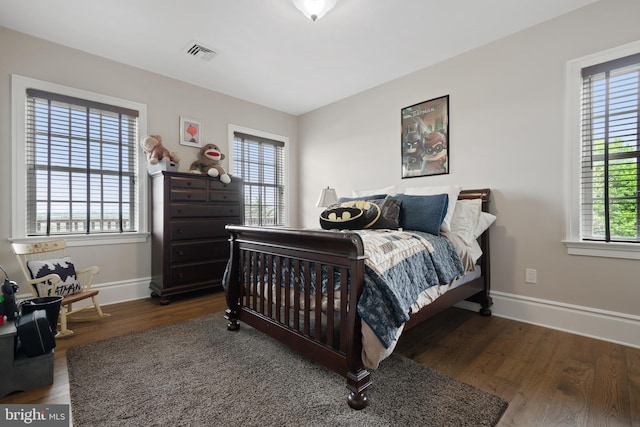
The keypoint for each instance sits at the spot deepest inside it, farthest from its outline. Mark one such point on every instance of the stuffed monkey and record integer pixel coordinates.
(208, 162)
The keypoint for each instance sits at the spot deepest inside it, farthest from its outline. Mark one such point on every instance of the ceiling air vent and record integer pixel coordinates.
(197, 50)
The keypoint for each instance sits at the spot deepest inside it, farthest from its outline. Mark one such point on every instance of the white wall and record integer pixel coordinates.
(507, 132)
(125, 269)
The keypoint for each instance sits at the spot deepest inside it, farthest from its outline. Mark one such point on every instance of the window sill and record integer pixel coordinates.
(89, 240)
(603, 249)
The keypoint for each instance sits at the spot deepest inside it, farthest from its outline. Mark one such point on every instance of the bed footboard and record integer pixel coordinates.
(302, 288)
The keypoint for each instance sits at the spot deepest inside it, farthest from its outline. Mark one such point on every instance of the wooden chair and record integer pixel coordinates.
(47, 284)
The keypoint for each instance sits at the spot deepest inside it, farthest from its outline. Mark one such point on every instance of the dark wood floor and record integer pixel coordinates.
(550, 378)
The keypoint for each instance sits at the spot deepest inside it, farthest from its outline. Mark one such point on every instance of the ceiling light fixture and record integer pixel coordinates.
(314, 9)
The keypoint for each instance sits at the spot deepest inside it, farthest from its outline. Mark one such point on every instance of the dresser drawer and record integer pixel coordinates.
(178, 210)
(205, 272)
(222, 196)
(185, 183)
(201, 251)
(198, 229)
(188, 196)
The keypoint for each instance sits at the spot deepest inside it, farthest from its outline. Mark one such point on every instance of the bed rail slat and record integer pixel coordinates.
(317, 303)
(306, 292)
(330, 313)
(287, 294)
(296, 294)
(278, 279)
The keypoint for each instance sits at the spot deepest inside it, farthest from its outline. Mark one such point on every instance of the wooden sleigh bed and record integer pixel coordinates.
(322, 322)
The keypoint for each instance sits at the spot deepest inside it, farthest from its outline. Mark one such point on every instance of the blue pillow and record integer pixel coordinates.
(423, 213)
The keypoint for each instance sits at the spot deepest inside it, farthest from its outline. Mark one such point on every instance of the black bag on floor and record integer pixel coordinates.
(34, 334)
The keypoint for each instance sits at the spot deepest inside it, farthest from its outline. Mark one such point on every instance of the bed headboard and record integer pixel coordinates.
(485, 259)
(482, 193)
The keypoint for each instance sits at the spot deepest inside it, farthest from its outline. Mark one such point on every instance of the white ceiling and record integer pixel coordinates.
(267, 51)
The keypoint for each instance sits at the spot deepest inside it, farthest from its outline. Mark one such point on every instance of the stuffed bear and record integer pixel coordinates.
(208, 162)
(155, 151)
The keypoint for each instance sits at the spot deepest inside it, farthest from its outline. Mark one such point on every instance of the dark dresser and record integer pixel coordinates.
(190, 246)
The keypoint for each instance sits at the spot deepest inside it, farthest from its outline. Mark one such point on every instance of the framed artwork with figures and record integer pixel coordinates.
(425, 138)
(190, 132)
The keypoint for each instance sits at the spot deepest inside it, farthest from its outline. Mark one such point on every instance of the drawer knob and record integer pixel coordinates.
(180, 253)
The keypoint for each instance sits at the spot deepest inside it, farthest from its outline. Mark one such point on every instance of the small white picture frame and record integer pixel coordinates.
(190, 132)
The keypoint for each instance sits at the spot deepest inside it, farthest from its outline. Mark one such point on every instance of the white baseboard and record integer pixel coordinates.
(619, 328)
(127, 290)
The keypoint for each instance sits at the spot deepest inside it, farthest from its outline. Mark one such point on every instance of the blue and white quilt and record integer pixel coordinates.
(399, 266)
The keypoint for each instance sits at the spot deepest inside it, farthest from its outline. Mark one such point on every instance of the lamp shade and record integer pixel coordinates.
(327, 197)
(314, 9)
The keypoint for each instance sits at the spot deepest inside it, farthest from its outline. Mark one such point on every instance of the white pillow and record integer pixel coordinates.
(465, 219)
(390, 190)
(472, 247)
(451, 190)
(484, 221)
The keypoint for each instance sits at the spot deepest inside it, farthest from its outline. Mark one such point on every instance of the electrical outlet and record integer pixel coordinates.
(530, 275)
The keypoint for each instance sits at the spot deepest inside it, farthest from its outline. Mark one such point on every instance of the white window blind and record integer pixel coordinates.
(610, 151)
(259, 162)
(81, 166)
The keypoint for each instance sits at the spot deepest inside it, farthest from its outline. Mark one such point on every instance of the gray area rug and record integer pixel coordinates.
(196, 373)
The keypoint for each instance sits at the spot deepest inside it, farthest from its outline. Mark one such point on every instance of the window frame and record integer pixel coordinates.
(19, 85)
(573, 240)
(232, 129)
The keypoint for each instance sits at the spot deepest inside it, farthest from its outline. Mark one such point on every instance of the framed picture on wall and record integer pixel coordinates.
(190, 132)
(425, 138)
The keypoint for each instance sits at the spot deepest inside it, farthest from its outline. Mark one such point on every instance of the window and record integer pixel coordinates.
(260, 161)
(81, 173)
(605, 217)
(610, 151)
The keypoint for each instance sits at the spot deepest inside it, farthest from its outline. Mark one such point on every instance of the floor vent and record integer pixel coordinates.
(199, 51)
